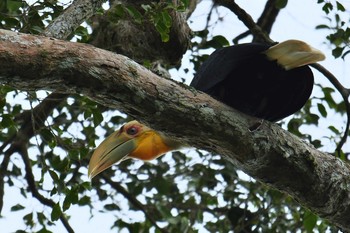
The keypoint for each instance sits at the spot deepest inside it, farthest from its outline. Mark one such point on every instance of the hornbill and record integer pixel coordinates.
(268, 82)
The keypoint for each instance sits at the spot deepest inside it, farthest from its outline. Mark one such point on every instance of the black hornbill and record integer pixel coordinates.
(269, 82)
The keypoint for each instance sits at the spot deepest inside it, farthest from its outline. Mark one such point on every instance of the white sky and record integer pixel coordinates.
(297, 21)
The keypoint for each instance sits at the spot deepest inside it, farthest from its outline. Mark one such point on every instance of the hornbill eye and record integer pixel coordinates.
(132, 130)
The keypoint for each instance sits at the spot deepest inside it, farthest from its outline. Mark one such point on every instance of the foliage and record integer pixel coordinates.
(338, 27)
(184, 193)
(156, 13)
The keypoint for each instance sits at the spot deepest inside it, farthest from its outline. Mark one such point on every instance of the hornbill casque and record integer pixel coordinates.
(268, 82)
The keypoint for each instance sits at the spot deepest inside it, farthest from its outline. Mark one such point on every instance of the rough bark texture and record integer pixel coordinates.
(74, 15)
(261, 149)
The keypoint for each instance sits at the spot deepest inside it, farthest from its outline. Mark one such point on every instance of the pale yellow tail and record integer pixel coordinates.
(294, 53)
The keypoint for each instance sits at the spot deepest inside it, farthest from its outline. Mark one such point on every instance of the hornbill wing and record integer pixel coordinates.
(222, 63)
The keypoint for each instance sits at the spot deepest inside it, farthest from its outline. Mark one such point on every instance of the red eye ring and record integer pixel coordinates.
(132, 130)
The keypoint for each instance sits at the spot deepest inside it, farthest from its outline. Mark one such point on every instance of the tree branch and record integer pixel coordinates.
(246, 19)
(269, 154)
(344, 92)
(265, 21)
(3, 168)
(34, 190)
(59, 28)
(73, 16)
(133, 201)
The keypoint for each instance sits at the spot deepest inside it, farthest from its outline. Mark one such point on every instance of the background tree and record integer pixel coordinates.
(47, 137)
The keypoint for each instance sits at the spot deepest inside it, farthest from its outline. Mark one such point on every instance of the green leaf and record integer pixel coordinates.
(334, 130)
(28, 219)
(322, 110)
(56, 212)
(73, 154)
(310, 221)
(146, 7)
(47, 135)
(54, 176)
(7, 121)
(135, 14)
(97, 116)
(53, 191)
(280, 4)
(118, 10)
(85, 200)
(166, 19)
(44, 230)
(41, 217)
(71, 198)
(17, 207)
(111, 207)
(337, 52)
(165, 37)
(340, 7)
(86, 185)
(186, 3)
(13, 5)
(327, 7)
(316, 143)
(216, 42)
(322, 26)
(12, 22)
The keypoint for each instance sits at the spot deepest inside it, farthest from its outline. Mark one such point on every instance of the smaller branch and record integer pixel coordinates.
(344, 92)
(71, 18)
(246, 19)
(3, 168)
(240, 37)
(133, 201)
(265, 21)
(33, 189)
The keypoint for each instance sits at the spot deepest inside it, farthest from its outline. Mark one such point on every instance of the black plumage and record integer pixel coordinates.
(245, 78)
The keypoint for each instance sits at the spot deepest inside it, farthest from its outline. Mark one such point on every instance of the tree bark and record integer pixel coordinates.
(262, 149)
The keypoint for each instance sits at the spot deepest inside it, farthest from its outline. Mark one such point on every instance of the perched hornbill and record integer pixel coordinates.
(262, 81)
(269, 82)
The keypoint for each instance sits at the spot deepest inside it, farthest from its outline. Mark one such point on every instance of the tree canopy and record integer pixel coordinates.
(71, 72)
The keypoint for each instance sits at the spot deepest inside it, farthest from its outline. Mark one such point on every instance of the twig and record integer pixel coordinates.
(265, 21)
(246, 19)
(33, 189)
(344, 92)
(133, 201)
(3, 168)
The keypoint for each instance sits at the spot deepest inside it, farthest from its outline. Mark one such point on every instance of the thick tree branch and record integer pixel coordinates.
(270, 154)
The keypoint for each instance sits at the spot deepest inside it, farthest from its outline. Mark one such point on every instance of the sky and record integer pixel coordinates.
(297, 21)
